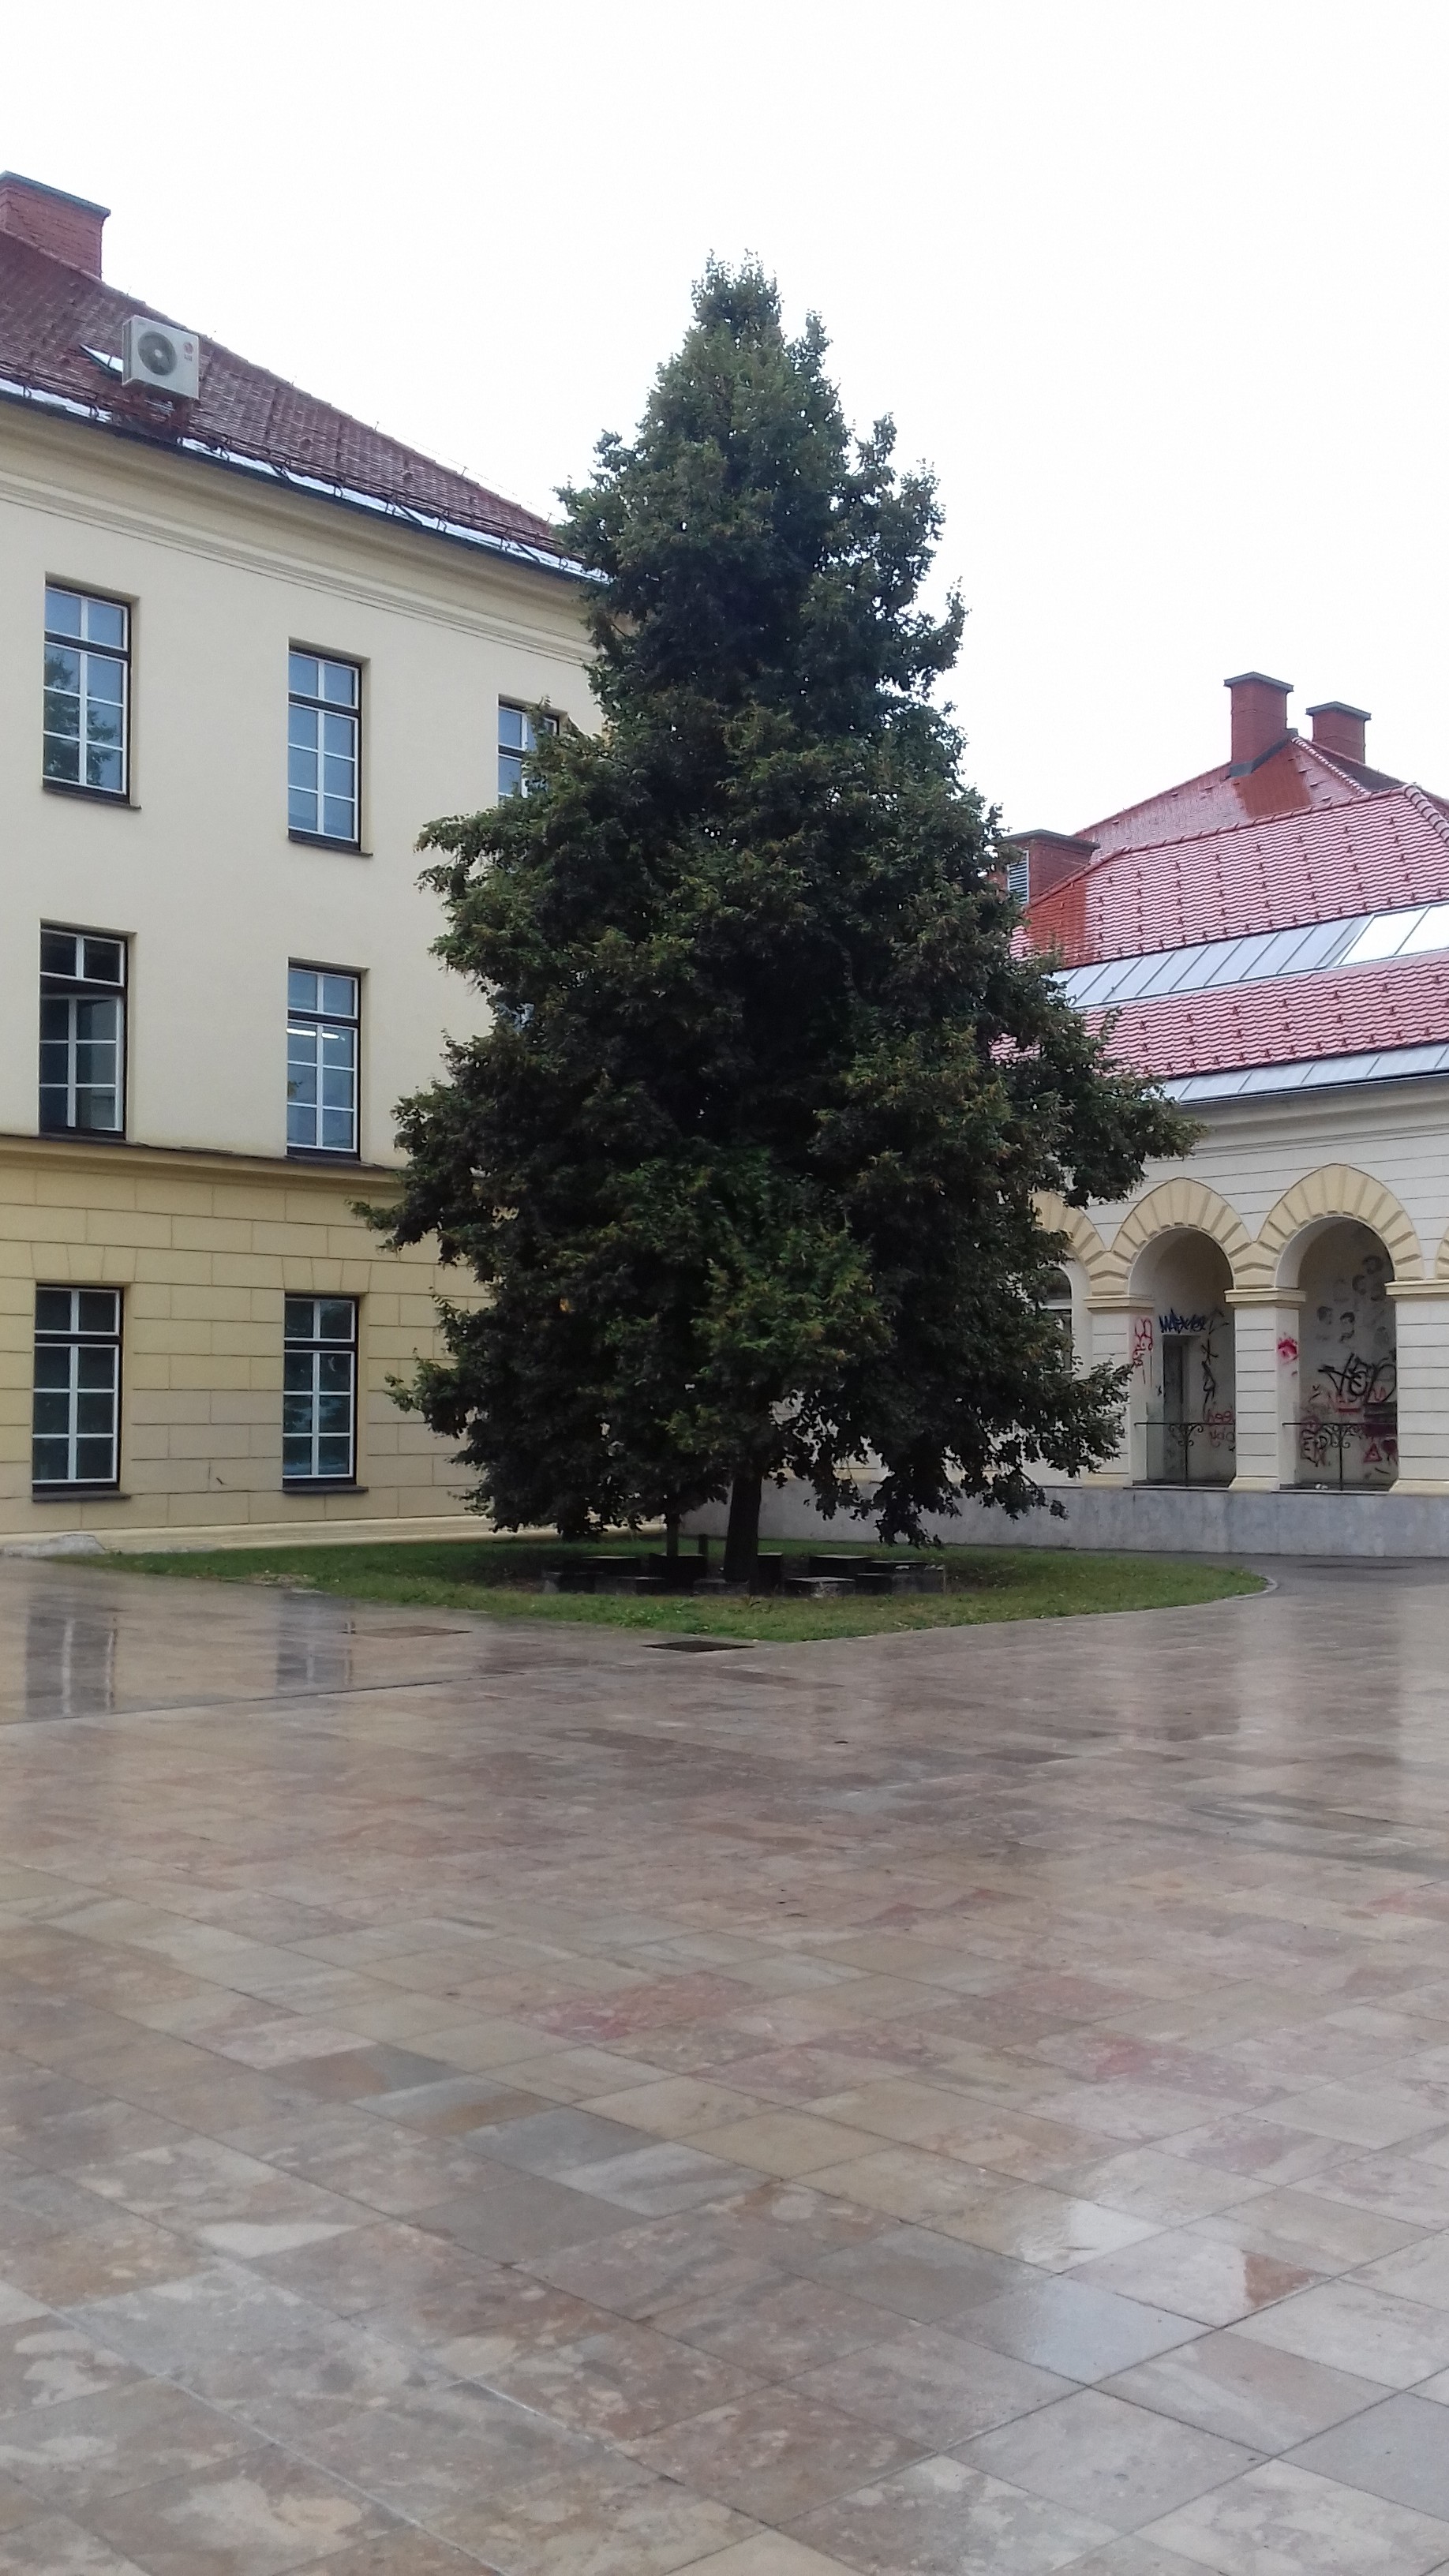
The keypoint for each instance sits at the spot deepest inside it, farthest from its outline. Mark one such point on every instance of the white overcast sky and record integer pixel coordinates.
(1159, 292)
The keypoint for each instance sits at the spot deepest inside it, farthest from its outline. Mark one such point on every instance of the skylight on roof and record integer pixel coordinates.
(1261, 957)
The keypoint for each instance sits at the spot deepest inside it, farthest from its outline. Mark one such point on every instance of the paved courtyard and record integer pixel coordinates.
(524, 2098)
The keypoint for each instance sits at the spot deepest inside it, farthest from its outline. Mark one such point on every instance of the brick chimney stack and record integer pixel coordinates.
(67, 228)
(1047, 858)
(1339, 729)
(1260, 718)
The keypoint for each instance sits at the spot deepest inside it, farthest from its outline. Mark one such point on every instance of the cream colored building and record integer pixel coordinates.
(248, 648)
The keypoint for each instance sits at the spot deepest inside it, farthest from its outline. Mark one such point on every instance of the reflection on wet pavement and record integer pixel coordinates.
(503, 2097)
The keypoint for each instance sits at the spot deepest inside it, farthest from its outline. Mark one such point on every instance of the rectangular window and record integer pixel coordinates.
(87, 661)
(518, 732)
(77, 1386)
(322, 1035)
(323, 724)
(82, 1033)
(319, 1399)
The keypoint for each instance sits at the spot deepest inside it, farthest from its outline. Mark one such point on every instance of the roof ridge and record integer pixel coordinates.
(1138, 851)
(1423, 803)
(1218, 770)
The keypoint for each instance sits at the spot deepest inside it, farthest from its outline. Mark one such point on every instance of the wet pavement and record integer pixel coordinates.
(520, 2098)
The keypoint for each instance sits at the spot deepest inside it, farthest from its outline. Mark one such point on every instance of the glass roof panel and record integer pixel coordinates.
(1384, 936)
(1431, 931)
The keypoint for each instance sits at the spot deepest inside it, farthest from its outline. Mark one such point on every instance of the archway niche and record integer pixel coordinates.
(1184, 1393)
(1347, 1426)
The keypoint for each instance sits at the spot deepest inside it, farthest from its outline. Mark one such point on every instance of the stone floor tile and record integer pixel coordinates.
(1398, 2450)
(1418, 2272)
(96, 2446)
(518, 2216)
(932, 2279)
(262, 2515)
(1259, 2148)
(1119, 2463)
(637, 2271)
(784, 2142)
(56, 2546)
(1135, 2557)
(1298, 2225)
(659, 2179)
(1279, 2519)
(1215, 2283)
(1411, 2188)
(942, 2518)
(46, 2360)
(777, 2327)
(1167, 2189)
(449, 2106)
(771, 2554)
(676, 2106)
(576, 2074)
(444, 2449)
(775, 2455)
(609, 2517)
(617, 2379)
(1245, 2391)
(400, 2552)
(934, 2389)
(1381, 2114)
(1080, 2332)
(1362, 2330)
(794, 2225)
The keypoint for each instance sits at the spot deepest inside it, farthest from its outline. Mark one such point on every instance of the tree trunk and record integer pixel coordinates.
(742, 1542)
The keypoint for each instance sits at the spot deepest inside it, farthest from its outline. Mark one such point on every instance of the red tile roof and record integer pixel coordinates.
(52, 314)
(1347, 1011)
(1370, 855)
(1298, 778)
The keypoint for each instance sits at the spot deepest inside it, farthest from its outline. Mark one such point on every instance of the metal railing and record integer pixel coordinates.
(1190, 1453)
(1358, 1451)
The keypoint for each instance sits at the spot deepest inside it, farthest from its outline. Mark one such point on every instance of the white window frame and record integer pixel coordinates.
(316, 1346)
(82, 1336)
(83, 985)
(531, 721)
(324, 710)
(315, 1024)
(88, 650)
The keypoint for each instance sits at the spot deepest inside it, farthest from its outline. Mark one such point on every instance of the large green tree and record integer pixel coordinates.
(747, 1158)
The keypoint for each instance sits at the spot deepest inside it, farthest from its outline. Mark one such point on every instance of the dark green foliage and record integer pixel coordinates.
(747, 1159)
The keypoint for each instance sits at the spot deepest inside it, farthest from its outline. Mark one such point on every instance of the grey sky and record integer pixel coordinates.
(1159, 291)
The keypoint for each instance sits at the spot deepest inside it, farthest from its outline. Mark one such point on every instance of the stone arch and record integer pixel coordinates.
(1335, 1190)
(1083, 1242)
(1175, 1206)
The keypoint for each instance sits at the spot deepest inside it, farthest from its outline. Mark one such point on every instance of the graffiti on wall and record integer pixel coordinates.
(1349, 1426)
(1186, 1325)
(1142, 1338)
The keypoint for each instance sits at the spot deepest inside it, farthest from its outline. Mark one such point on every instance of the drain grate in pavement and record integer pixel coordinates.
(699, 1645)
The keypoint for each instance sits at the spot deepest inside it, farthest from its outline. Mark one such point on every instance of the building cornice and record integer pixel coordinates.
(349, 1181)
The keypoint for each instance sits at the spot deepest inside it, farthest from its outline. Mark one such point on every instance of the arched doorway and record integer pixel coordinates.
(1347, 1425)
(1183, 1397)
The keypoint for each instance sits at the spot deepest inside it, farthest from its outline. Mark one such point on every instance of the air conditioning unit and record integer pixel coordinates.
(158, 355)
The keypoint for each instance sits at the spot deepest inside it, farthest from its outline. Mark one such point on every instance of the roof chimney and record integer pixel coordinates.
(1046, 857)
(1260, 718)
(64, 227)
(1339, 729)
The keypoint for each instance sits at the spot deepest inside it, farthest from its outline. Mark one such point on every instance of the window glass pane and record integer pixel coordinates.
(105, 622)
(339, 994)
(58, 952)
(339, 683)
(299, 1315)
(51, 1461)
(62, 672)
(301, 810)
(296, 1455)
(335, 1317)
(510, 774)
(102, 960)
(105, 683)
(337, 1130)
(302, 674)
(52, 1310)
(301, 988)
(510, 728)
(302, 723)
(337, 820)
(61, 762)
(63, 612)
(99, 1310)
(103, 769)
(52, 1365)
(94, 1463)
(333, 1457)
(339, 733)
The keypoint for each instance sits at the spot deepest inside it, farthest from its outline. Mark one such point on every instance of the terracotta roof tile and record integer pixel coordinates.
(52, 314)
(1347, 1011)
(1370, 855)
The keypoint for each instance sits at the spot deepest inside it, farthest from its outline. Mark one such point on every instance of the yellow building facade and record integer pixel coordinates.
(248, 649)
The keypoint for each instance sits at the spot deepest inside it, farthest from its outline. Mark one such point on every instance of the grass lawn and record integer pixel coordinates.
(497, 1578)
